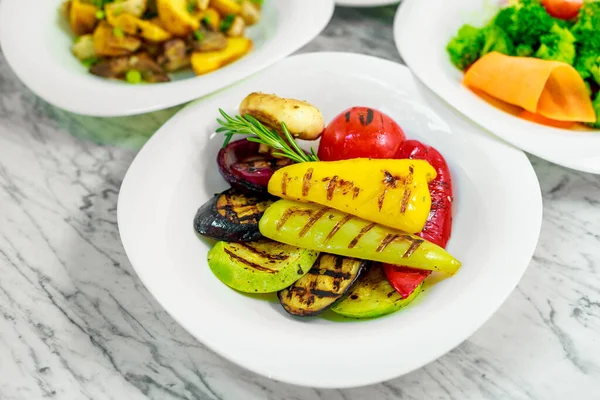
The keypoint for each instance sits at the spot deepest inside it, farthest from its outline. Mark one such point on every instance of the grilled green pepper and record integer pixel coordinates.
(316, 227)
(259, 267)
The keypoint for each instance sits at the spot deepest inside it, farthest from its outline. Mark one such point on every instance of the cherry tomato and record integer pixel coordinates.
(360, 132)
(563, 9)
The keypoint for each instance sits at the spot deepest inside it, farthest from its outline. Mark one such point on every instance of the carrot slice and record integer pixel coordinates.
(551, 89)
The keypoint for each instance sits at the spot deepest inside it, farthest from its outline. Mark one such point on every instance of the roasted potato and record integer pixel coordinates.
(82, 17)
(175, 56)
(84, 47)
(211, 17)
(226, 7)
(106, 43)
(250, 12)
(237, 28)
(175, 17)
(203, 63)
(133, 7)
(135, 26)
(209, 41)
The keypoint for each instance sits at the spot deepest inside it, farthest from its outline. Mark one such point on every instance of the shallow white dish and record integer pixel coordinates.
(498, 207)
(365, 3)
(422, 29)
(37, 45)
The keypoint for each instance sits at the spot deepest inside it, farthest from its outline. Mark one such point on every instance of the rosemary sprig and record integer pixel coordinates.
(248, 125)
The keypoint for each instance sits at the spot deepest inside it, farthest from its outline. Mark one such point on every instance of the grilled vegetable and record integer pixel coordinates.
(82, 17)
(325, 283)
(244, 168)
(225, 7)
(320, 228)
(119, 67)
(390, 192)
(250, 12)
(303, 120)
(84, 47)
(209, 61)
(372, 296)
(231, 216)
(438, 227)
(259, 267)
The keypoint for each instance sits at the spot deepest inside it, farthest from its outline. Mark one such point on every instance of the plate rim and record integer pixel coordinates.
(194, 90)
(474, 326)
(403, 12)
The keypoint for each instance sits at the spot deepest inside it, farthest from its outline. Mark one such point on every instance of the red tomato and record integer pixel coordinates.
(360, 132)
(563, 9)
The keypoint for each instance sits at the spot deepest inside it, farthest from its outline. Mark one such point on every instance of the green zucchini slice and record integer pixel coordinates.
(373, 296)
(259, 267)
(326, 282)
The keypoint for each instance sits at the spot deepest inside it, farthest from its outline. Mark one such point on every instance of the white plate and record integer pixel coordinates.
(37, 44)
(498, 213)
(422, 30)
(365, 3)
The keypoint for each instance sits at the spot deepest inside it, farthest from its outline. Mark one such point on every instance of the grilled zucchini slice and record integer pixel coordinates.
(231, 216)
(259, 267)
(326, 282)
(373, 296)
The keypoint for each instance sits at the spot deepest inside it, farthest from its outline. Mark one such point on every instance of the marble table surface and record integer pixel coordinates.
(77, 323)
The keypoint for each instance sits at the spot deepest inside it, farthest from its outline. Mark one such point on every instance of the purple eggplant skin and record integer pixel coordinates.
(247, 170)
(232, 216)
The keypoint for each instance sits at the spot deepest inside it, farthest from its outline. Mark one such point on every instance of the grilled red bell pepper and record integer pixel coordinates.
(439, 224)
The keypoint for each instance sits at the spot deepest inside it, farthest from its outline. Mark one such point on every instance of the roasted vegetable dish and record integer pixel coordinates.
(355, 227)
(144, 41)
(541, 57)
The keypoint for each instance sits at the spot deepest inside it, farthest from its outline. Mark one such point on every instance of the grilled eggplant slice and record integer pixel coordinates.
(259, 267)
(232, 216)
(373, 296)
(326, 282)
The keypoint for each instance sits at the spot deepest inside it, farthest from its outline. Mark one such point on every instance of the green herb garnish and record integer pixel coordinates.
(191, 6)
(227, 22)
(198, 35)
(248, 125)
(89, 62)
(118, 32)
(134, 76)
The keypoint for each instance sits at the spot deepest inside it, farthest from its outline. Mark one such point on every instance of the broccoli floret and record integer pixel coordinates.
(525, 23)
(464, 49)
(558, 45)
(588, 65)
(596, 104)
(524, 50)
(587, 28)
(496, 39)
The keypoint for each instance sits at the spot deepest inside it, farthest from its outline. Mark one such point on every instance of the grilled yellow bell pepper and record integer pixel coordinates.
(393, 193)
(319, 228)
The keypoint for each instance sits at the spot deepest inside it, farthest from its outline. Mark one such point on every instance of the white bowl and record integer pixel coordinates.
(37, 43)
(422, 29)
(365, 3)
(497, 213)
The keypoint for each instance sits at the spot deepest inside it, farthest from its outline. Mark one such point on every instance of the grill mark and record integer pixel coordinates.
(411, 173)
(332, 274)
(306, 182)
(273, 257)
(284, 180)
(288, 213)
(323, 293)
(355, 193)
(390, 237)
(362, 232)
(331, 187)
(312, 220)
(337, 281)
(389, 179)
(348, 116)
(369, 116)
(390, 294)
(405, 199)
(381, 199)
(249, 263)
(381, 118)
(361, 117)
(414, 245)
(337, 227)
